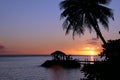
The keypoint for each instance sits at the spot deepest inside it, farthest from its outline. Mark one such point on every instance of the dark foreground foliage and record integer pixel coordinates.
(108, 69)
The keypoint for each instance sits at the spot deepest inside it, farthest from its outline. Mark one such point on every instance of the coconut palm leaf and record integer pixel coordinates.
(85, 14)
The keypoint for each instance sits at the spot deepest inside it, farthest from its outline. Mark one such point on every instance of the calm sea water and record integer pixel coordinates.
(28, 68)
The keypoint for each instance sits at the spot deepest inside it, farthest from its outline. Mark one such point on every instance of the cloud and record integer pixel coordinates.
(2, 46)
(93, 41)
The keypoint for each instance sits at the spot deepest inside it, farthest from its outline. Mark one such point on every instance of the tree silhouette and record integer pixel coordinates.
(82, 14)
(108, 69)
(111, 50)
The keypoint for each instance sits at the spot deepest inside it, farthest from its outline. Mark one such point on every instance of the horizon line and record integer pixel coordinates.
(13, 55)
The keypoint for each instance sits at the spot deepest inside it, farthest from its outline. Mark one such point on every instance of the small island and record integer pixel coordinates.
(61, 59)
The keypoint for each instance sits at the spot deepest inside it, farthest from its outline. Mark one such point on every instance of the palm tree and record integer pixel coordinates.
(82, 14)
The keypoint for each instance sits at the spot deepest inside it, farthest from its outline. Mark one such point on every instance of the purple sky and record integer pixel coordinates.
(34, 27)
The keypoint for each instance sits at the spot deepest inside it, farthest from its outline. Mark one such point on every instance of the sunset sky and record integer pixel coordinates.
(34, 27)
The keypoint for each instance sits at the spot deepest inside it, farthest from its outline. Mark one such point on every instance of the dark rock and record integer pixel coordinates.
(62, 63)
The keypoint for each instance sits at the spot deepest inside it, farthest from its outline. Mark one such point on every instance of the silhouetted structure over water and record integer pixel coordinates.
(58, 55)
(61, 59)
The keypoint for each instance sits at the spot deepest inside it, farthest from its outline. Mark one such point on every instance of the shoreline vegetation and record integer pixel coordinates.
(109, 68)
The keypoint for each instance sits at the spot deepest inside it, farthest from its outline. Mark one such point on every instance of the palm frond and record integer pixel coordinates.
(85, 14)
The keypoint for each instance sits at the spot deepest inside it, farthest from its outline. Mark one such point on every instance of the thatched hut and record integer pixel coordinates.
(61, 59)
(58, 55)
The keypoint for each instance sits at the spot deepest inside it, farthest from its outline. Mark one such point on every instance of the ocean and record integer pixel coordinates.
(28, 68)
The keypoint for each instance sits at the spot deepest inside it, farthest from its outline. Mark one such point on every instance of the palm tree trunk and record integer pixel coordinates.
(96, 28)
(101, 37)
(99, 34)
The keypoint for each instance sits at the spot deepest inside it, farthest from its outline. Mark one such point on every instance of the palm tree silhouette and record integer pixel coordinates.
(82, 14)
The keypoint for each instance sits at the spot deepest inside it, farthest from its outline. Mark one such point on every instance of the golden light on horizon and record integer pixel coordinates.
(92, 53)
(88, 50)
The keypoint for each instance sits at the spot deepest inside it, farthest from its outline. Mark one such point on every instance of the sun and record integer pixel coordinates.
(89, 50)
(92, 52)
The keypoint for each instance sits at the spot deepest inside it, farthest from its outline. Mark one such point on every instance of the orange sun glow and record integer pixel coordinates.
(90, 51)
